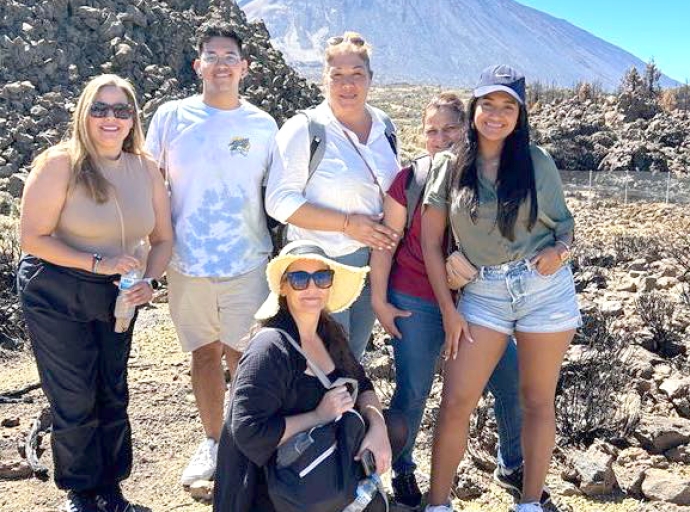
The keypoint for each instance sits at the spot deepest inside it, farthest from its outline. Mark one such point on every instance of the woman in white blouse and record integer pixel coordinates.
(340, 204)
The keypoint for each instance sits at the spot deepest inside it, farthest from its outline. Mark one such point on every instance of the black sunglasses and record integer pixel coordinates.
(120, 110)
(299, 280)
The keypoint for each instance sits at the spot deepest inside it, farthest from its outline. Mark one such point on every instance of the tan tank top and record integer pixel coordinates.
(89, 226)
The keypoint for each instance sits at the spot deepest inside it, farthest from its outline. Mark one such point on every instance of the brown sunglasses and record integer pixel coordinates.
(336, 40)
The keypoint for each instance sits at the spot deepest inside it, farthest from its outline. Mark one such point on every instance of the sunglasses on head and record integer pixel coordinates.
(299, 280)
(120, 110)
(336, 40)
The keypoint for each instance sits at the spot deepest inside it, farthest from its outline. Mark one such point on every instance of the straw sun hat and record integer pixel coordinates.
(348, 281)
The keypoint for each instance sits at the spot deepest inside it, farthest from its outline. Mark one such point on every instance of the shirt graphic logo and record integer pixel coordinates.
(239, 145)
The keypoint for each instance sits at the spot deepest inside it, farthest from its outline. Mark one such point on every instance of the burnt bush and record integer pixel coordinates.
(587, 254)
(631, 247)
(12, 328)
(657, 313)
(590, 386)
(680, 251)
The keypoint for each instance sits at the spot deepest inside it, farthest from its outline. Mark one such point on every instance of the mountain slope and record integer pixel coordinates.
(445, 41)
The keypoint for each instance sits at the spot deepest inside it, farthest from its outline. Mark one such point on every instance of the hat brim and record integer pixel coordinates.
(488, 89)
(348, 282)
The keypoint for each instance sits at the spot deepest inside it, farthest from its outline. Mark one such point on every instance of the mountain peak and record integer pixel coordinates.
(445, 42)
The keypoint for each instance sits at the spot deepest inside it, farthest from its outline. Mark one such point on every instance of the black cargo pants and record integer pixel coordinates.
(82, 363)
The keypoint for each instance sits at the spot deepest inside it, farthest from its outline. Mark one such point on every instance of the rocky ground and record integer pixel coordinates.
(624, 402)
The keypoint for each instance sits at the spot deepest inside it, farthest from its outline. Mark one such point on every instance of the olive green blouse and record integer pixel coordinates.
(481, 241)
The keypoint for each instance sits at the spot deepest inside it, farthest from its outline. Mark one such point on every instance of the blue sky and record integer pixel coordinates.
(656, 28)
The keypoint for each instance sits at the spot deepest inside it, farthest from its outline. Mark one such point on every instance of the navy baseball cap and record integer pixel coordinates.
(501, 78)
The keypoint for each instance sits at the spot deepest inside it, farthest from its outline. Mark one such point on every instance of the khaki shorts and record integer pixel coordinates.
(207, 309)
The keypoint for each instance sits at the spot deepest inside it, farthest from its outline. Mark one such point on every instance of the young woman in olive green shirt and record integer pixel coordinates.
(505, 203)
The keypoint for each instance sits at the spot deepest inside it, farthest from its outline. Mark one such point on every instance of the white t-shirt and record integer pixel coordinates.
(341, 182)
(217, 162)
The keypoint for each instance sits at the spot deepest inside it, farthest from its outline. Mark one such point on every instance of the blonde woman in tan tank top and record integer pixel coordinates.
(87, 202)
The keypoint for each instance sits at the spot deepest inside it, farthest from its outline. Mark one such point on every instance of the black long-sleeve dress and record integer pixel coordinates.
(270, 385)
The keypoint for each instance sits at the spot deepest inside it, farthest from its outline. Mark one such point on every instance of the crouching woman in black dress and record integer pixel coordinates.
(275, 396)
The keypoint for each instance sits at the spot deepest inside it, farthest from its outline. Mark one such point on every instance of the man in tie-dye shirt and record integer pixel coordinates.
(215, 150)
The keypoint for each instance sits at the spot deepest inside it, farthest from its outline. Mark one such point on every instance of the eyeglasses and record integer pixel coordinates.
(120, 110)
(231, 59)
(336, 40)
(299, 280)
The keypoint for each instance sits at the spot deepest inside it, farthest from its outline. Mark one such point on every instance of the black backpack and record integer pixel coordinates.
(317, 148)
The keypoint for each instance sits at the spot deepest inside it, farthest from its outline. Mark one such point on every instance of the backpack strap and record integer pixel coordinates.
(416, 182)
(318, 372)
(317, 137)
(389, 131)
(317, 140)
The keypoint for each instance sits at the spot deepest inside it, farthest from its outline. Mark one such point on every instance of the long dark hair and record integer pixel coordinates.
(515, 181)
(330, 331)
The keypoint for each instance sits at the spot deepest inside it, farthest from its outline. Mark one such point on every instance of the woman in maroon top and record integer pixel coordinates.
(406, 307)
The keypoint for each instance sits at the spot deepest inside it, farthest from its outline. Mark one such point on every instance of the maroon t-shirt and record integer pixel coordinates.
(408, 274)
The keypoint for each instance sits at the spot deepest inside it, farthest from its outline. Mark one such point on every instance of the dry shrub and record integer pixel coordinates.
(657, 313)
(631, 247)
(587, 397)
(588, 254)
(679, 249)
(12, 329)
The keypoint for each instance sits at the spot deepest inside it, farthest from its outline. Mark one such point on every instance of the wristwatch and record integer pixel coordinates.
(155, 284)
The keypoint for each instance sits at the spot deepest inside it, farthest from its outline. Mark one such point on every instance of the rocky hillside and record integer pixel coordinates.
(445, 41)
(49, 49)
(613, 133)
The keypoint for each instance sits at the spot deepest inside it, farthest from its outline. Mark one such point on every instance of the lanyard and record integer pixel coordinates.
(371, 171)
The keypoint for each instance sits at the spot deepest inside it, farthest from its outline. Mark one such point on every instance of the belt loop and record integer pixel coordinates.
(528, 264)
(481, 272)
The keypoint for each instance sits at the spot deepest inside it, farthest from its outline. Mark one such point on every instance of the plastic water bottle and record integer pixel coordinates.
(366, 490)
(125, 312)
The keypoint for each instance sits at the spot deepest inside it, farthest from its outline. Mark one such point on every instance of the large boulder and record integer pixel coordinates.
(594, 469)
(668, 486)
(658, 434)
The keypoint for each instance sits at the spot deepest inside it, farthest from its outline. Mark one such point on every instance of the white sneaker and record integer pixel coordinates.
(527, 507)
(202, 466)
(439, 508)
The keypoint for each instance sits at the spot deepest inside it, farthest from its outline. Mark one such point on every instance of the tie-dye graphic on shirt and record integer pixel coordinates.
(217, 163)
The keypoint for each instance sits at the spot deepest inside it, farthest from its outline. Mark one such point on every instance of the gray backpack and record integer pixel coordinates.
(317, 137)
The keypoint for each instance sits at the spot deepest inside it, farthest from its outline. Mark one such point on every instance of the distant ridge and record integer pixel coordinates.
(445, 42)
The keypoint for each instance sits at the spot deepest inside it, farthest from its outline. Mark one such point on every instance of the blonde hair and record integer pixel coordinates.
(349, 42)
(80, 148)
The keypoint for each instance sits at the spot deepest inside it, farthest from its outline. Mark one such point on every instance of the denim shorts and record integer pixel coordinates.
(515, 297)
